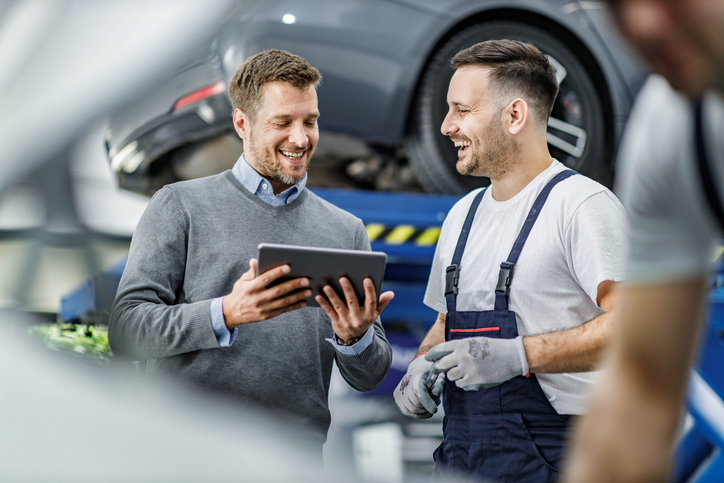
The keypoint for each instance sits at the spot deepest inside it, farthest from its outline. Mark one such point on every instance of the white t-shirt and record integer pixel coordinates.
(577, 242)
(673, 232)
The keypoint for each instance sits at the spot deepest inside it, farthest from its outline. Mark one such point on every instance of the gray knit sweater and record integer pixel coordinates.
(192, 243)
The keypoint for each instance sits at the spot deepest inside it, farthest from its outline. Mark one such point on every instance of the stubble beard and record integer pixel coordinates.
(495, 159)
(272, 168)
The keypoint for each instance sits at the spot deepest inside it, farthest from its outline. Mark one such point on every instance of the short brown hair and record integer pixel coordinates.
(517, 69)
(246, 85)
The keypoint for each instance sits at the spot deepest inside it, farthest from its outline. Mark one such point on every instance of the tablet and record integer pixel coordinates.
(324, 266)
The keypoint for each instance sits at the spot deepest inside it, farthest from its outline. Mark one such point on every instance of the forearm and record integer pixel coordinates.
(626, 435)
(634, 411)
(144, 330)
(580, 349)
(435, 336)
(366, 371)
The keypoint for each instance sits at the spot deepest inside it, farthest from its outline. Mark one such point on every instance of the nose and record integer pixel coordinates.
(298, 135)
(448, 126)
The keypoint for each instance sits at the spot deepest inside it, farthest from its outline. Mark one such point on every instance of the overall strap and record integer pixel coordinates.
(707, 180)
(452, 273)
(505, 276)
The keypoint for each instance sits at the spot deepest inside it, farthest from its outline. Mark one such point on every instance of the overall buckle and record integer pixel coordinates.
(504, 277)
(452, 276)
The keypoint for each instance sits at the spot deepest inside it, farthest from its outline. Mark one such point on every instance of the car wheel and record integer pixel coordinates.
(576, 131)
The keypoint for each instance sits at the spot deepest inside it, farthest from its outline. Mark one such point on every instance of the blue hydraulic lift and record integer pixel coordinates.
(403, 225)
(406, 226)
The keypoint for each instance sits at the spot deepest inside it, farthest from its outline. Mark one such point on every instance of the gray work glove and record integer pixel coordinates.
(479, 362)
(418, 393)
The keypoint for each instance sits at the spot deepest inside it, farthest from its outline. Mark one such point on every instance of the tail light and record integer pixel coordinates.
(203, 93)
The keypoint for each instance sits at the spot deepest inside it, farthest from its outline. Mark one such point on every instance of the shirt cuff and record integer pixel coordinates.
(357, 348)
(224, 336)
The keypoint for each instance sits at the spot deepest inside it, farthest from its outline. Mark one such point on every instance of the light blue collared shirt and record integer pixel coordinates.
(261, 188)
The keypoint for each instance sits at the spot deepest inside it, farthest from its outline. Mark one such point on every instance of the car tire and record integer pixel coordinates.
(576, 133)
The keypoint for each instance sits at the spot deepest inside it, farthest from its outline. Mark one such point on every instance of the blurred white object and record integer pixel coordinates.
(65, 421)
(378, 452)
(64, 66)
(66, 63)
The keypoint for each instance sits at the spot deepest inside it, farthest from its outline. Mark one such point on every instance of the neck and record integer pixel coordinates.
(532, 164)
(278, 186)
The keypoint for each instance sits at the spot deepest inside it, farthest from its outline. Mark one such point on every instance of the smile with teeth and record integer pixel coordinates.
(462, 144)
(292, 155)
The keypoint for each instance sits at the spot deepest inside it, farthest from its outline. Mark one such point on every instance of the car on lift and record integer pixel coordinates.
(385, 68)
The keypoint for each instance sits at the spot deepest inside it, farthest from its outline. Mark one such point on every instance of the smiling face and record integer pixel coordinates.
(280, 140)
(683, 40)
(474, 123)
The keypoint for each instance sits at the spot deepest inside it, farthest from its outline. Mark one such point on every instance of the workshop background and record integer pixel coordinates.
(103, 103)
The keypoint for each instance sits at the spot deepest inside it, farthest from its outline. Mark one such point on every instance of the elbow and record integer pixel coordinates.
(379, 368)
(371, 384)
(121, 345)
(117, 347)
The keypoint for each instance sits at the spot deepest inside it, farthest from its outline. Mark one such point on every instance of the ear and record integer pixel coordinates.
(517, 115)
(241, 124)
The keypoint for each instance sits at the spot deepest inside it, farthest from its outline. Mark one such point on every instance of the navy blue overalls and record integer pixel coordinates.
(507, 433)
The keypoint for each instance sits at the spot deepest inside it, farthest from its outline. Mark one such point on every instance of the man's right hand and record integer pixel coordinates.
(415, 397)
(252, 300)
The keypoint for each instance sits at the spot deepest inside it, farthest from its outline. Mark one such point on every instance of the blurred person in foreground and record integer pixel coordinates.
(191, 302)
(636, 409)
(522, 278)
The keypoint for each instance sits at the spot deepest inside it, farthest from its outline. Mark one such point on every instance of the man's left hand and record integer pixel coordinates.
(349, 320)
(479, 362)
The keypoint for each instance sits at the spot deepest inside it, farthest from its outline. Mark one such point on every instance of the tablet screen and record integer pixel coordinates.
(325, 266)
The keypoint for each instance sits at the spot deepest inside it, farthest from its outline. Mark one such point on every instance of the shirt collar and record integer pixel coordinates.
(254, 183)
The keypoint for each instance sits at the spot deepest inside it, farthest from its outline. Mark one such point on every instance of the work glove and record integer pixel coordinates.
(479, 362)
(418, 393)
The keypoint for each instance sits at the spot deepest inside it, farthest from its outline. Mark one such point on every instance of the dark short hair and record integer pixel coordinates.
(245, 87)
(517, 69)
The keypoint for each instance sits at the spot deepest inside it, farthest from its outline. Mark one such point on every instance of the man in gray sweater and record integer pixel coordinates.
(191, 302)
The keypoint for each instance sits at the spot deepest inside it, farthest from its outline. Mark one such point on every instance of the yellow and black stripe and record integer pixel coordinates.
(428, 236)
(402, 234)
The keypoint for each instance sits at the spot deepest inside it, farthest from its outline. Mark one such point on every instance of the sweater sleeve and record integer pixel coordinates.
(150, 318)
(367, 370)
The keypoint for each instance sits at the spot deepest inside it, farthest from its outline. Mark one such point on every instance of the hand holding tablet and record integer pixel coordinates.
(343, 282)
(252, 300)
(350, 321)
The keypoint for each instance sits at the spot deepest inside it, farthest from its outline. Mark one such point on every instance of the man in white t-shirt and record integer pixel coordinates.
(635, 410)
(522, 278)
